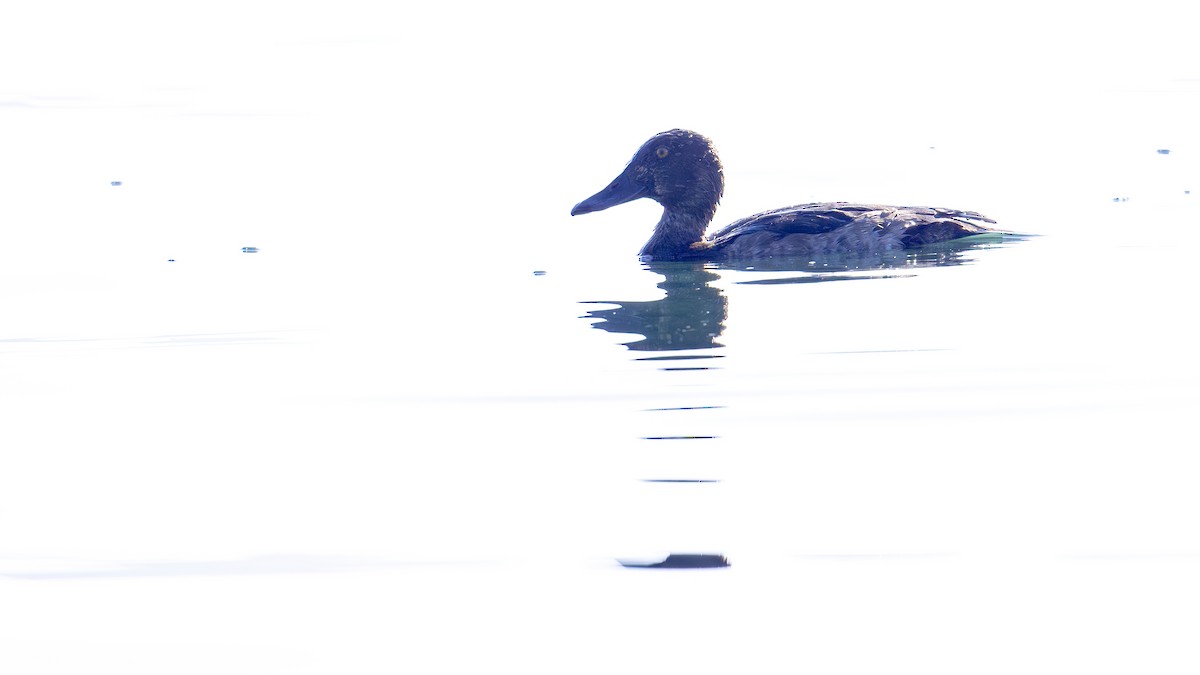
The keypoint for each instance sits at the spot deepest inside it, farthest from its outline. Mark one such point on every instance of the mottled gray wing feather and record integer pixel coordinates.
(928, 222)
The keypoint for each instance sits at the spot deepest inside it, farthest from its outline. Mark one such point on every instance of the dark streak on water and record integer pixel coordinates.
(686, 407)
(682, 561)
(680, 357)
(823, 277)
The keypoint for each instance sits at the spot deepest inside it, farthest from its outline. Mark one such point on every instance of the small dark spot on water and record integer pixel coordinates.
(539, 273)
(677, 438)
(170, 260)
(1164, 151)
(1120, 199)
(249, 249)
(115, 183)
(682, 561)
(680, 480)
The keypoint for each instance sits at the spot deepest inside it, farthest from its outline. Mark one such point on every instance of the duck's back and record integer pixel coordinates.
(841, 227)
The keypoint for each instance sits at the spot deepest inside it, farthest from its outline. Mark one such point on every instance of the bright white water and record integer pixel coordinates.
(387, 442)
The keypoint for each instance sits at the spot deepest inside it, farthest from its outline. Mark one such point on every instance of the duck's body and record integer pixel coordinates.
(680, 170)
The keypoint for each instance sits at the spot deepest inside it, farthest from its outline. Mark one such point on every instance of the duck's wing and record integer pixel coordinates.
(922, 224)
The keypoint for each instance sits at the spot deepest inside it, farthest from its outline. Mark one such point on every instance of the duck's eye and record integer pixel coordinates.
(662, 152)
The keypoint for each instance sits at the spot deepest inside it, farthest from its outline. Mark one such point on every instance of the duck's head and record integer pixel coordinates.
(678, 169)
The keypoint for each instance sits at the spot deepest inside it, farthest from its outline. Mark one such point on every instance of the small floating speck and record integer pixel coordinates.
(170, 260)
(115, 183)
(539, 273)
(1164, 151)
(249, 249)
(1120, 199)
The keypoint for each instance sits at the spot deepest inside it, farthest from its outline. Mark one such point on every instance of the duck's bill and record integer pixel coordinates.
(623, 189)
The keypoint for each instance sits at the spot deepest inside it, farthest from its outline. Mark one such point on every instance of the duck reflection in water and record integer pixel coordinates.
(693, 312)
(691, 316)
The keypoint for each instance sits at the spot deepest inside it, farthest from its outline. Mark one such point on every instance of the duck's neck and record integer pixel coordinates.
(675, 234)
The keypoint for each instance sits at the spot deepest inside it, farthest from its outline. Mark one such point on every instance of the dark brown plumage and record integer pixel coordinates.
(681, 171)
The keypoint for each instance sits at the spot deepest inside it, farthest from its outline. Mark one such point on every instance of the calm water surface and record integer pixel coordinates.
(306, 450)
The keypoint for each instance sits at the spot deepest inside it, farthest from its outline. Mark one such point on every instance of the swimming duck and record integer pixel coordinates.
(680, 170)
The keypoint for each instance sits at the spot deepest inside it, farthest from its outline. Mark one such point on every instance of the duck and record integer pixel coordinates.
(681, 171)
